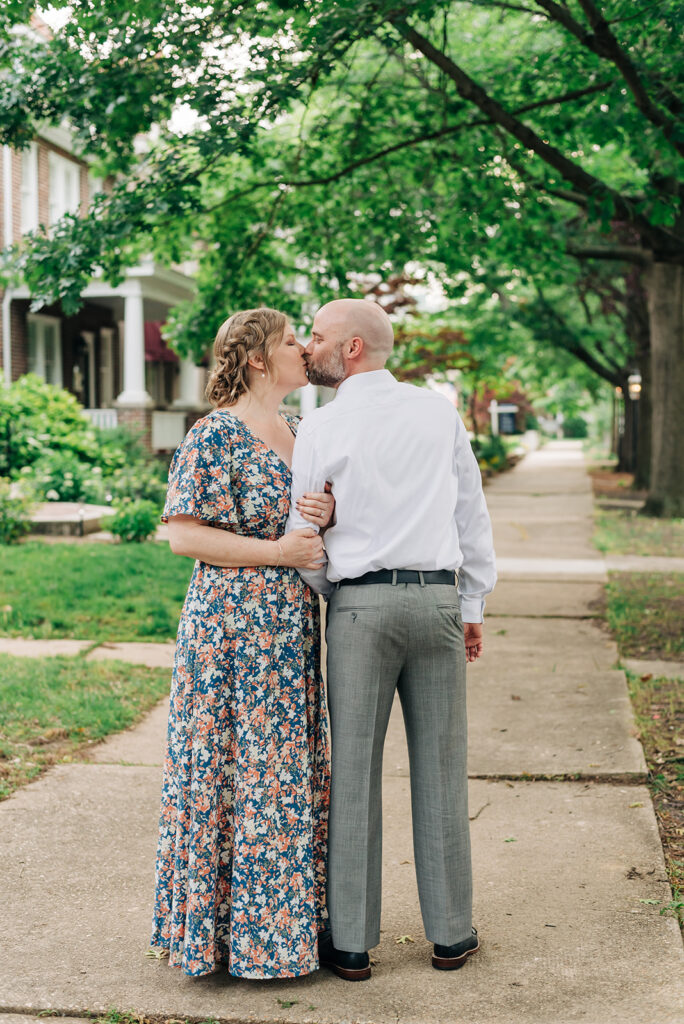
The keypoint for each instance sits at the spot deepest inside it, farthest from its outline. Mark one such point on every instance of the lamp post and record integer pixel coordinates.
(634, 393)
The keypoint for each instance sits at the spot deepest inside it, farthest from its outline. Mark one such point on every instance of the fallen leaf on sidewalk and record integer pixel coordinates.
(286, 1003)
(511, 840)
(645, 679)
(637, 803)
(514, 696)
(401, 940)
(157, 954)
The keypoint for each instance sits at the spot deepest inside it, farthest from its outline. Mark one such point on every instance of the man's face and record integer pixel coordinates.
(323, 355)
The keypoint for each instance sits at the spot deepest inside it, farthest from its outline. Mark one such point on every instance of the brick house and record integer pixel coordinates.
(110, 354)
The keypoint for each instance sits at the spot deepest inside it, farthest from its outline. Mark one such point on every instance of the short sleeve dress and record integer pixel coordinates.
(241, 859)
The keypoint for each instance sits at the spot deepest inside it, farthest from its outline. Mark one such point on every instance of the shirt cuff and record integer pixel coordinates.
(472, 609)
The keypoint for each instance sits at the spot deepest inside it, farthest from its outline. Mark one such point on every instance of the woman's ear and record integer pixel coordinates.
(257, 363)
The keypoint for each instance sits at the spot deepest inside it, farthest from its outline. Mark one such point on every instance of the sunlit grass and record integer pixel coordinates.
(104, 592)
(50, 708)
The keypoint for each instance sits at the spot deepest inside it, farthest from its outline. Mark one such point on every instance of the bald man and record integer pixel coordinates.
(409, 563)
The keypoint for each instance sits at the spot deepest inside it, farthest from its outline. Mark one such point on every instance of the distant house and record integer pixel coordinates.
(110, 355)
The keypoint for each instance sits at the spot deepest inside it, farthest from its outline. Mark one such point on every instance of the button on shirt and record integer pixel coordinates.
(407, 487)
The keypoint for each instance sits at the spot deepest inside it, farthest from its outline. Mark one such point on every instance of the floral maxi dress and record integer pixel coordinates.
(240, 876)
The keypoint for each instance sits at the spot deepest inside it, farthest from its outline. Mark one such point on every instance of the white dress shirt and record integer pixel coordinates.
(407, 486)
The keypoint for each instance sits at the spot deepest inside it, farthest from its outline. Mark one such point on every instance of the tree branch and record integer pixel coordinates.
(628, 253)
(667, 244)
(602, 42)
(405, 144)
(568, 340)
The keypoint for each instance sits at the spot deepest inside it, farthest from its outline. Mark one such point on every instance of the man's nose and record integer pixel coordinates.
(309, 349)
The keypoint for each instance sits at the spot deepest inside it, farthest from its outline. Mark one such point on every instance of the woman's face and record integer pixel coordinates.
(288, 361)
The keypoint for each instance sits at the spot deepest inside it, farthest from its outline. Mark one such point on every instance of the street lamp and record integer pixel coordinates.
(634, 392)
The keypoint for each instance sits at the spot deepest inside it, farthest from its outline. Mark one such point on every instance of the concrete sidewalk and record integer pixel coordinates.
(567, 857)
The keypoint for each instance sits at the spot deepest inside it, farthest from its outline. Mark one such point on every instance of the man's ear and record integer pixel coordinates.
(355, 347)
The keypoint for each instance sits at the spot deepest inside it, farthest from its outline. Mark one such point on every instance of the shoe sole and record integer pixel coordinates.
(453, 963)
(362, 974)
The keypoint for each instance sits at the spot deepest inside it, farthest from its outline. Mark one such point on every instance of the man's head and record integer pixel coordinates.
(348, 336)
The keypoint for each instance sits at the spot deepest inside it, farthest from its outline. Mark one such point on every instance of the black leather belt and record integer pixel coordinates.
(444, 576)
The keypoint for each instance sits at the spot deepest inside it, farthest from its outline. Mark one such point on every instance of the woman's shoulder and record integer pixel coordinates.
(292, 419)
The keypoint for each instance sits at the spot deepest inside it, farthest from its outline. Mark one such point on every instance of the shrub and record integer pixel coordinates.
(135, 521)
(575, 426)
(490, 451)
(16, 503)
(36, 417)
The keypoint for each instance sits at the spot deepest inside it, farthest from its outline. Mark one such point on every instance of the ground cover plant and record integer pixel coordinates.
(645, 612)
(51, 709)
(659, 714)
(92, 591)
(626, 532)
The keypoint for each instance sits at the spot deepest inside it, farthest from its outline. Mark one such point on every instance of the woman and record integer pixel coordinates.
(241, 859)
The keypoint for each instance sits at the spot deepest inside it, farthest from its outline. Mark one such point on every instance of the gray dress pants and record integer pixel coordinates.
(382, 638)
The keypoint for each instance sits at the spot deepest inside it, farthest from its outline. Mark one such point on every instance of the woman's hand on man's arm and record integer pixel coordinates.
(195, 538)
(318, 508)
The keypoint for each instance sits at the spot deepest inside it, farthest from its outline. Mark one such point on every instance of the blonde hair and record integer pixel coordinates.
(245, 334)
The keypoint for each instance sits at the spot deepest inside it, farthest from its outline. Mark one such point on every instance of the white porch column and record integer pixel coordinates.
(189, 383)
(308, 398)
(494, 413)
(134, 393)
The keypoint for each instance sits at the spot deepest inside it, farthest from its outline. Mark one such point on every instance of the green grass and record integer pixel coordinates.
(105, 592)
(52, 707)
(659, 715)
(625, 532)
(645, 614)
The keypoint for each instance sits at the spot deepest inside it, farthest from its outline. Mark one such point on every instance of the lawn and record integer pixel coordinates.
(626, 532)
(104, 592)
(659, 715)
(645, 613)
(52, 708)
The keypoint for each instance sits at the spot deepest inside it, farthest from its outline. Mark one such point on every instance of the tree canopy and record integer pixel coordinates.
(531, 148)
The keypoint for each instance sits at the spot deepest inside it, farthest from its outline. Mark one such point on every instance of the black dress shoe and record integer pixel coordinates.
(350, 966)
(450, 958)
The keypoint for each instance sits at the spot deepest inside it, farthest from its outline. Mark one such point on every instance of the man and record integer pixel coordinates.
(411, 525)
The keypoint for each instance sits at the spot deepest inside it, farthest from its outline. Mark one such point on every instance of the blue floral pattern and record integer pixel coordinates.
(241, 859)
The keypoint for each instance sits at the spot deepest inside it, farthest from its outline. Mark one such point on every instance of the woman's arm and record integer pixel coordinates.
(195, 539)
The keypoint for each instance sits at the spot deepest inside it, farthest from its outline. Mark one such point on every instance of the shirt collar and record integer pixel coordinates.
(366, 381)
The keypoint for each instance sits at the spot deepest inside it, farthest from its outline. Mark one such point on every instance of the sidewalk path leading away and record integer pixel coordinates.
(569, 870)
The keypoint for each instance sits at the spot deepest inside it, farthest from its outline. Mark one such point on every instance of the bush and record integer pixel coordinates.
(490, 452)
(16, 503)
(575, 427)
(35, 418)
(135, 521)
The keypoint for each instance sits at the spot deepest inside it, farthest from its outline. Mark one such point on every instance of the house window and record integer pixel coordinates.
(45, 349)
(65, 187)
(29, 188)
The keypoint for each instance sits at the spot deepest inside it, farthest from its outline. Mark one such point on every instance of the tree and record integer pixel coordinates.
(333, 135)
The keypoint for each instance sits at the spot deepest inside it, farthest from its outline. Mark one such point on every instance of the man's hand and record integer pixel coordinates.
(473, 640)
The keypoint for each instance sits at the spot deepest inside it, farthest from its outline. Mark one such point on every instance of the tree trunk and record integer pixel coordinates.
(644, 411)
(627, 442)
(639, 332)
(666, 308)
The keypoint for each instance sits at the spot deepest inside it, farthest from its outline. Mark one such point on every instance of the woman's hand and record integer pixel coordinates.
(302, 549)
(317, 508)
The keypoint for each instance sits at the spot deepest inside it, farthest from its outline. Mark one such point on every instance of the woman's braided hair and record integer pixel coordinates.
(248, 333)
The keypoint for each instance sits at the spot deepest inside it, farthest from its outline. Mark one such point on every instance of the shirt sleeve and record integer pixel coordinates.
(199, 477)
(477, 574)
(307, 475)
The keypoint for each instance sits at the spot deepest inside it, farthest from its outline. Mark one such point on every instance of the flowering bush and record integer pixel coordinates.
(135, 521)
(16, 503)
(47, 442)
